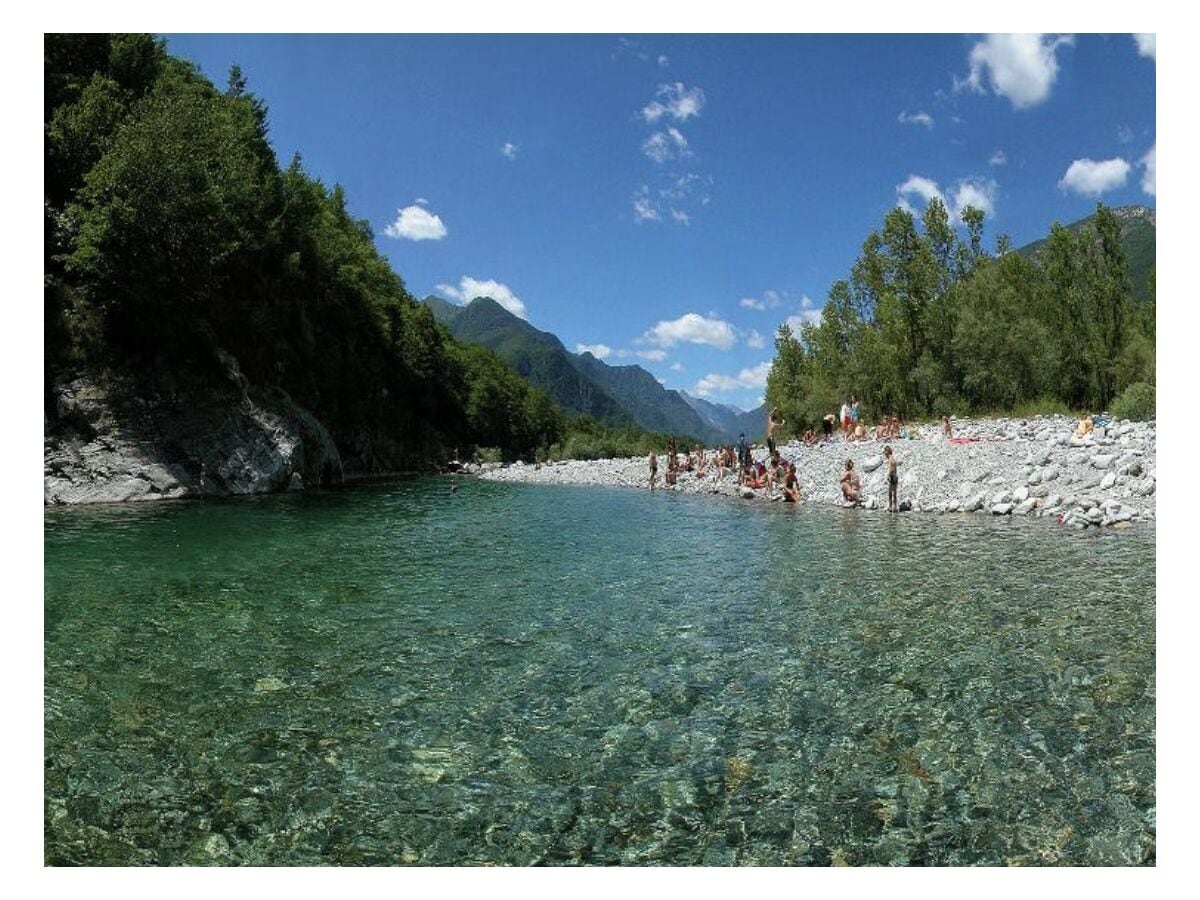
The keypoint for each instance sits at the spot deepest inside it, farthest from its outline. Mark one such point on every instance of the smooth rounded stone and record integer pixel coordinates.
(1001, 498)
(904, 505)
(1035, 477)
(1094, 514)
(1050, 473)
(1041, 490)
(1147, 488)
(1001, 509)
(1134, 469)
(1021, 494)
(1102, 460)
(952, 506)
(1025, 507)
(870, 503)
(748, 494)
(1041, 458)
(269, 684)
(1053, 501)
(296, 483)
(1108, 481)
(871, 463)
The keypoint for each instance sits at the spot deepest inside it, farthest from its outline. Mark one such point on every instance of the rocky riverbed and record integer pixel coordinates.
(1011, 467)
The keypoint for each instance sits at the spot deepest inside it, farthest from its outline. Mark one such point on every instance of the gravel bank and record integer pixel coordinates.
(1015, 467)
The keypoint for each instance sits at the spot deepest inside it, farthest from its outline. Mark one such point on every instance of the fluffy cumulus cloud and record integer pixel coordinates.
(769, 300)
(917, 118)
(745, 380)
(691, 328)
(1145, 45)
(1148, 183)
(1091, 177)
(804, 317)
(667, 144)
(755, 340)
(977, 192)
(1020, 67)
(674, 101)
(416, 223)
(469, 288)
(600, 351)
(509, 150)
(998, 159)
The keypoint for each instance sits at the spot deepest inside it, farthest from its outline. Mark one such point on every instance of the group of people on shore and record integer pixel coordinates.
(777, 471)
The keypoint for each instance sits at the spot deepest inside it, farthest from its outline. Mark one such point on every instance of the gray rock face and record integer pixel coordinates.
(107, 446)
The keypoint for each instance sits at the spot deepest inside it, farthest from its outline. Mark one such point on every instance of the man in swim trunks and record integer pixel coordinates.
(892, 478)
(773, 423)
(653, 468)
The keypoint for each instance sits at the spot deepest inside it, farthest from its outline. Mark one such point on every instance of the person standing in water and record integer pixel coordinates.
(743, 451)
(653, 468)
(893, 479)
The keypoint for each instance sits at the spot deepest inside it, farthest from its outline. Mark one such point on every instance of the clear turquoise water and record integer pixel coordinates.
(523, 674)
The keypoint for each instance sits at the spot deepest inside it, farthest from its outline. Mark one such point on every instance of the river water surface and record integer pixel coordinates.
(523, 674)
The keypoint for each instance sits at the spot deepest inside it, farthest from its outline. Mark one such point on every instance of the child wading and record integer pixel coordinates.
(892, 478)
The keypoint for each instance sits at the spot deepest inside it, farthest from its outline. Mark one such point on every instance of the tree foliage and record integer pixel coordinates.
(173, 237)
(930, 323)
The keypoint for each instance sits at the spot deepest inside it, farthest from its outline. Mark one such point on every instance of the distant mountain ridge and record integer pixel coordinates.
(583, 384)
(730, 420)
(1138, 239)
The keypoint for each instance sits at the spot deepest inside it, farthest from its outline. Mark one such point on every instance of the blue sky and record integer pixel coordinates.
(670, 200)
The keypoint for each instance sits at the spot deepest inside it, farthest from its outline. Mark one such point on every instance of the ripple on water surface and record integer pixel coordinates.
(520, 674)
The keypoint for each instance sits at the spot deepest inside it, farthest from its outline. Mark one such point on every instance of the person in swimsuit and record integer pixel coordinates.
(791, 487)
(827, 425)
(653, 468)
(892, 478)
(850, 483)
(773, 423)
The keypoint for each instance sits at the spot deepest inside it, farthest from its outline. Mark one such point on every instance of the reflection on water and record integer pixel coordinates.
(523, 674)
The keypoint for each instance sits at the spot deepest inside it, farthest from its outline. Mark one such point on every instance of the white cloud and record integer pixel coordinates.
(664, 145)
(1145, 45)
(1148, 181)
(469, 288)
(415, 223)
(1021, 67)
(644, 209)
(755, 340)
(769, 300)
(691, 328)
(600, 351)
(806, 302)
(977, 192)
(807, 317)
(677, 367)
(664, 61)
(681, 217)
(422, 201)
(917, 118)
(745, 380)
(509, 150)
(998, 159)
(1124, 134)
(1092, 177)
(676, 101)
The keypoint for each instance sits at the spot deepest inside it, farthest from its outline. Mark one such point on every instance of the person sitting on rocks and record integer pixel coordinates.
(791, 487)
(810, 438)
(946, 429)
(851, 486)
(1085, 426)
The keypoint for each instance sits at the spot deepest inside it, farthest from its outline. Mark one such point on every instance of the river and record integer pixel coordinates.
(517, 674)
